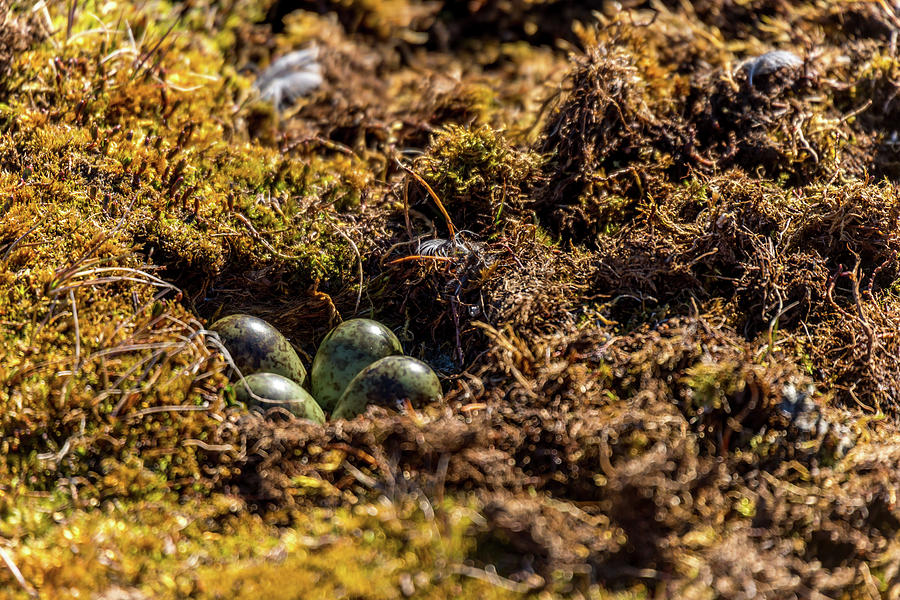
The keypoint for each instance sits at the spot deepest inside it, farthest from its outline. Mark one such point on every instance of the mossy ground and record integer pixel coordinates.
(160, 547)
(662, 298)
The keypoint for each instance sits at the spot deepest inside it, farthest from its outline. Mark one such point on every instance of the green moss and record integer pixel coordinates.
(188, 181)
(215, 549)
(711, 384)
(596, 426)
(110, 181)
(478, 174)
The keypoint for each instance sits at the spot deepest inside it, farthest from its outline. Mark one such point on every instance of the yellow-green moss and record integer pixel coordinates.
(111, 180)
(478, 174)
(216, 549)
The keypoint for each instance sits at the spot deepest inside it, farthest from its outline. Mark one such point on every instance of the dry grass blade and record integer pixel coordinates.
(493, 579)
(70, 18)
(139, 62)
(359, 263)
(434, 196)
(77, 365)
(14, 243)
(17, 574)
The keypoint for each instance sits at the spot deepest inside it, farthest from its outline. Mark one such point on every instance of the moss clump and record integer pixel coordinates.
(198, 195)
(215, 549)
(711, 239)
(684, 401)
(114, 186)
(19, 30)
(595, 141)
(478, 175)
(97, 364)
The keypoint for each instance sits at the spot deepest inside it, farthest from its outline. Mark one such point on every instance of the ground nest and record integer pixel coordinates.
(655, 267)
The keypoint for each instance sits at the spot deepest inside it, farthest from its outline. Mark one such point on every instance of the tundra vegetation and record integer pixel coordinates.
(655, 266)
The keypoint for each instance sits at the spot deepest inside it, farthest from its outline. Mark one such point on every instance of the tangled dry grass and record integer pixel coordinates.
(662, 297)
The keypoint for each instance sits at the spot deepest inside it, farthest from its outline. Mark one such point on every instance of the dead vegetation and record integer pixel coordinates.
(659, 279)
(18, 31)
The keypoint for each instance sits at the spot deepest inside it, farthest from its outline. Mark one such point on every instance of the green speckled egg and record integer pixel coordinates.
(279, 391)
(256, 346)
(348, 349)
(386, 382)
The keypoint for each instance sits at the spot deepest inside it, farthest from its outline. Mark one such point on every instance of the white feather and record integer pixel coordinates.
(293, 75)
(771, 62)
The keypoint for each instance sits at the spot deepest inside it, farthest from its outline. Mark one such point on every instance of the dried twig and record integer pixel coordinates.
(421, 257)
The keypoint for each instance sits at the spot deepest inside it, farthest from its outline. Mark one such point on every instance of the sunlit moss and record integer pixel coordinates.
(215, 549)
(112, 180)
(608, 437)
(478, 173)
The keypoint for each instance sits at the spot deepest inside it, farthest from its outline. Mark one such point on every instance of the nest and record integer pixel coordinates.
(664, 308)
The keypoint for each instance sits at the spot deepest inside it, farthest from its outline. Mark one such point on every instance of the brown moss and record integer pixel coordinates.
(683, 402)
(19, 30)
(767, 252)
(597, 145)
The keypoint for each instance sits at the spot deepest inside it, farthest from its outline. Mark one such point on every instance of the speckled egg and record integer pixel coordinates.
(256, 346)
(387, 382)
(276, 390)
(348, 349)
